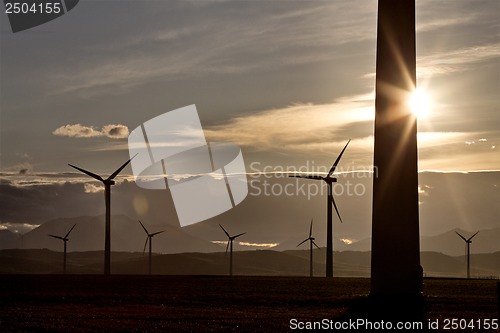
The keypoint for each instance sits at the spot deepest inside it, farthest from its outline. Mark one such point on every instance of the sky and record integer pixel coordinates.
(288, 81)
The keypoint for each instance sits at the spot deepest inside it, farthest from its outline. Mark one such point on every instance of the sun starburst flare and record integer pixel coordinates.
(420, 103)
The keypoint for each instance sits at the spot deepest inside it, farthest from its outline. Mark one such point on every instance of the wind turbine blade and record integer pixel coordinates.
(238, 235)
(144, 250)
(315, 244)
(307, 177)
(58, 237)
(334, 166)
(472, 236)
(334, 205)
(156, 233)
(227, 247)
(114, 174)
(70, 231)
(93, 175)
(465, 240)
(311, 229)
(143, 227)
(305, 240)
(225, 231)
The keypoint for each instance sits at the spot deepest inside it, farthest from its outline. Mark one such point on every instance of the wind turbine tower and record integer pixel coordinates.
(230, 245)
(311, 242)
(329, 180)
(468, 241)
(395, 262)
(149, 238)
(65, 239)
(107, 196)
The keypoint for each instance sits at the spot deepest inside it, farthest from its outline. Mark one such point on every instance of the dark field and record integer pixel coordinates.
(134, 303)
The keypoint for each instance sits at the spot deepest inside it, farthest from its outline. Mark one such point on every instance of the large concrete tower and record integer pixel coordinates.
(395, 267)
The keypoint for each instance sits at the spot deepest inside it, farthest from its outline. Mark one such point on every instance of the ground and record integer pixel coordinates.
(135, 303)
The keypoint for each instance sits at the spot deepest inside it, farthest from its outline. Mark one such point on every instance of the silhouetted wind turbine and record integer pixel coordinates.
(64, 239)
(107, 195)
(311, 242)
(328, 179)
(468, 241)
(230, 245)
(149, 238)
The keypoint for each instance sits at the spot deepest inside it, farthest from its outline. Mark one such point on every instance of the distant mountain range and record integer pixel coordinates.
(261, 262)
(128, 236)
(188, 251)
(486, 241)
(7, 238)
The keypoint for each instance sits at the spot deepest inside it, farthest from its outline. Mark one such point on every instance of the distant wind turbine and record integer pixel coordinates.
(328, 179)
(230, 245)
(311, 242)
(107, 195)
(149, 238)
(468, 242)
(64, 239)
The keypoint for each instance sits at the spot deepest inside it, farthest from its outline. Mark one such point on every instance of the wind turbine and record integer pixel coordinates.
(311, 242)
(64, 239)
(328, 179)
(230, 242)
(107, 195)
(468, 241)
(149, 238)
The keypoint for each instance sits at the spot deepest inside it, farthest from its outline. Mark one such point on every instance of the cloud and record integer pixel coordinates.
(258, 51)
(23, 168)
(80, 131)
(299, 127)
(235, 38)
(24, 156)
(423, 190)
(445, 22)
(457, 151)
(77, 131)
(452, 61)
(17, 179)
(465, 200)
(91, 188)
(456, 60)
(268, 245)
(18, 228)
(115, 131)
(44, 197)
(264, 245)
(309, 129)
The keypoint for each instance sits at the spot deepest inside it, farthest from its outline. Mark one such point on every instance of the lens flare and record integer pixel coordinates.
(420, 103)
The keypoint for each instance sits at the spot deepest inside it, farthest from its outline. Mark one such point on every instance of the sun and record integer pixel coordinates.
(420, 103)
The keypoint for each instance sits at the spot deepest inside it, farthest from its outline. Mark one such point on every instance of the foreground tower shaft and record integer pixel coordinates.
(395, 267)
